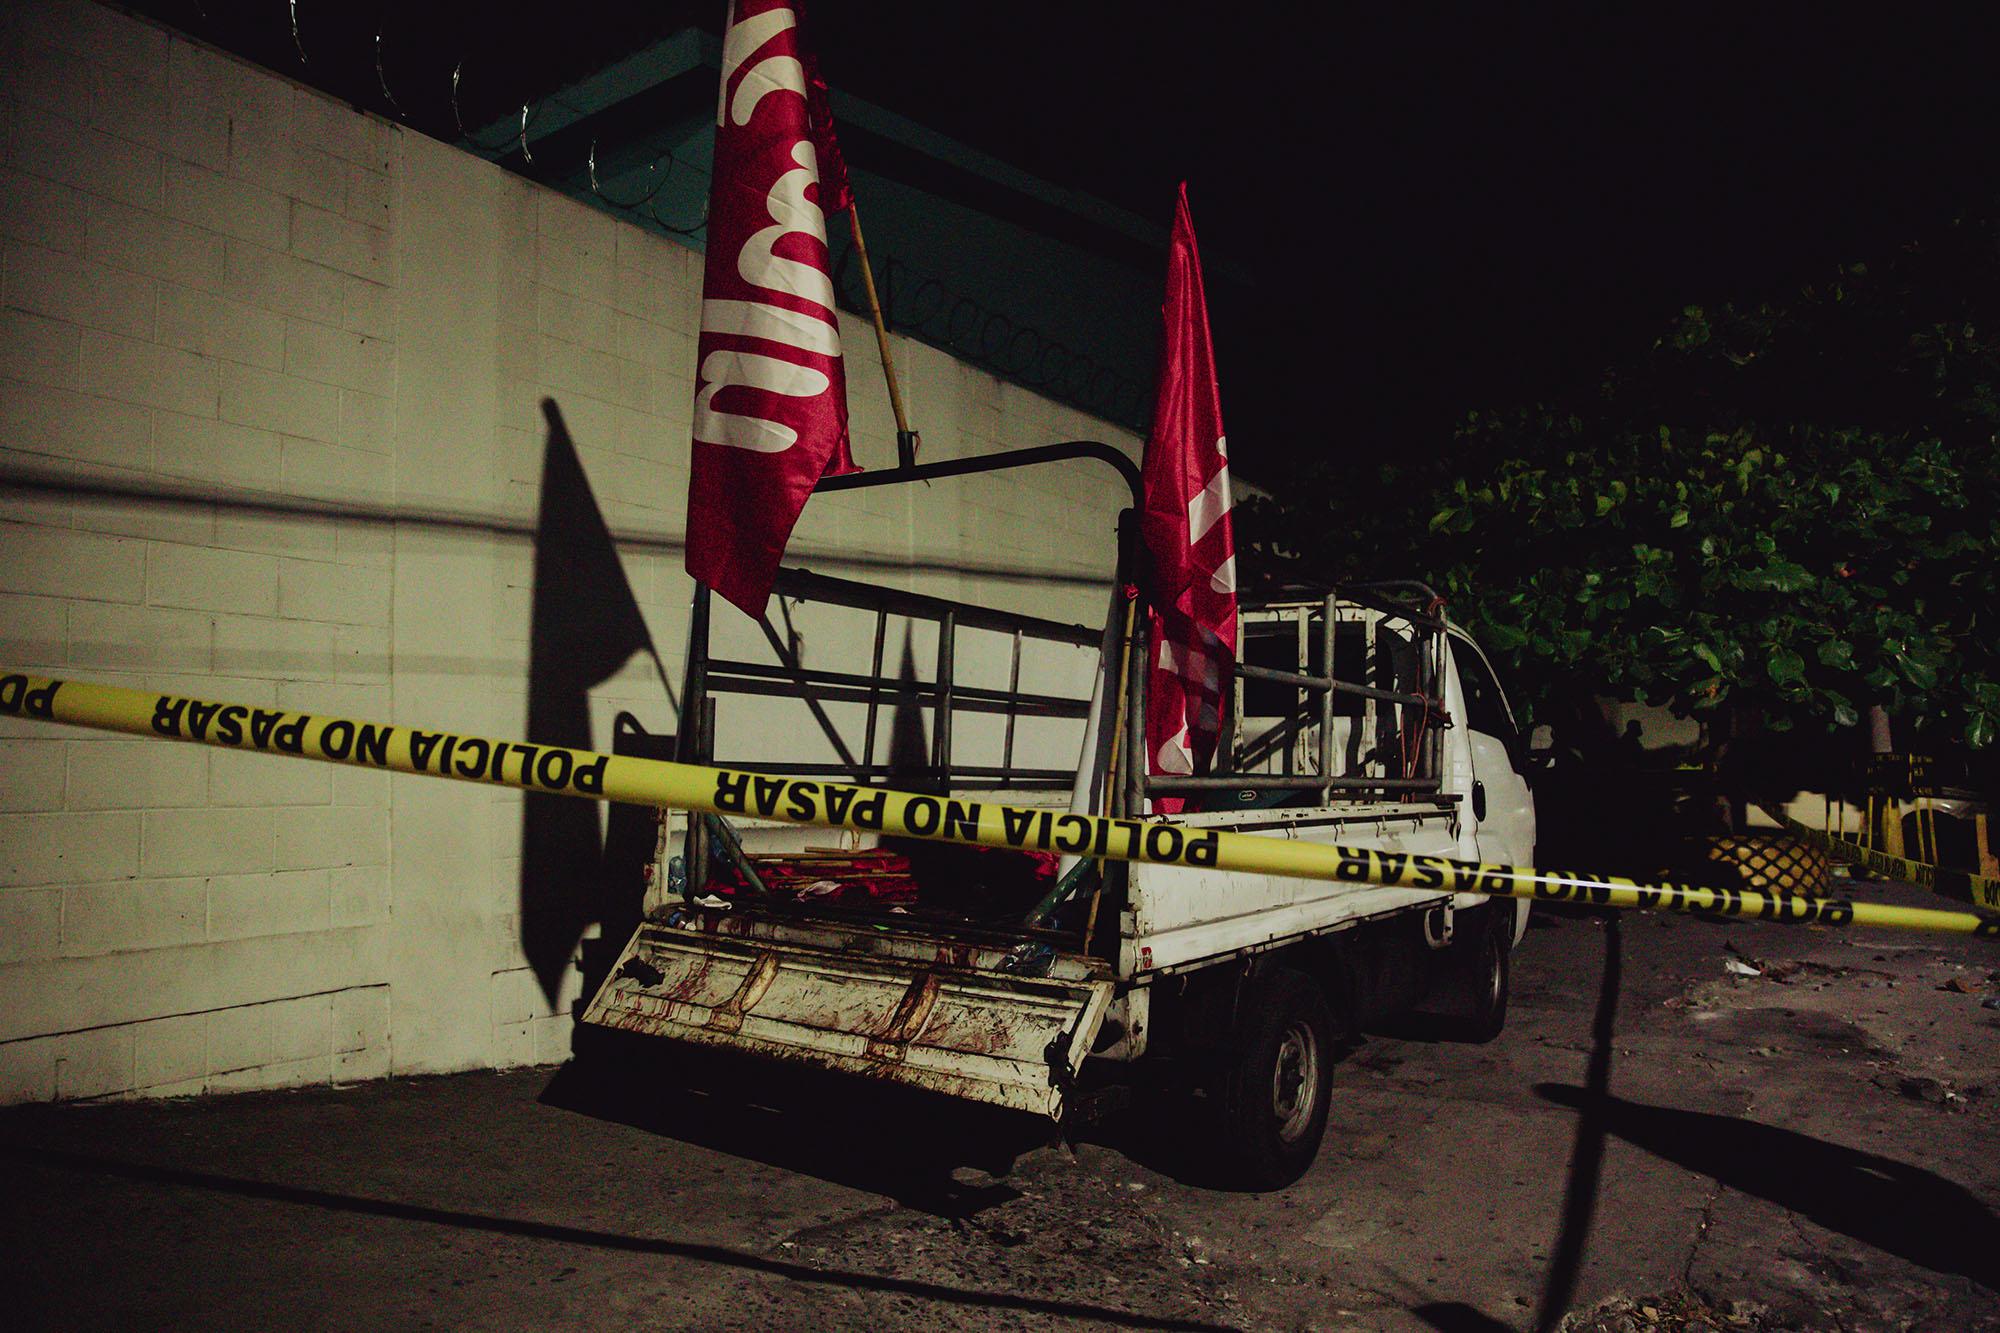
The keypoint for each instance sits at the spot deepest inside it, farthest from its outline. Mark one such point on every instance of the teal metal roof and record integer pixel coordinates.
(1044, 286)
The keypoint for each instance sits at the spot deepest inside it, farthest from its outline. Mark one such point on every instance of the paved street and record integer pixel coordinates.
(1808, 1147)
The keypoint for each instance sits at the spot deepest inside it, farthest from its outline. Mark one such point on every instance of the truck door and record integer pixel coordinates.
(1503, 809)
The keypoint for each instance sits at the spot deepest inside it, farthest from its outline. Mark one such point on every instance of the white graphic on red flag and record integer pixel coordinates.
(1186, 528)
(770, 414)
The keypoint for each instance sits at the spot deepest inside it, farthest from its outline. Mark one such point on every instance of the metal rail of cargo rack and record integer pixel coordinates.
(1426, 779)
(709, 676)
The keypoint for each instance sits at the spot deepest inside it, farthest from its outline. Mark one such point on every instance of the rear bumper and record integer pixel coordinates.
(944, 1016)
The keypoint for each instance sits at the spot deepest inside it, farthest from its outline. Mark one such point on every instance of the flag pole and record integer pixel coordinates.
(907, 441)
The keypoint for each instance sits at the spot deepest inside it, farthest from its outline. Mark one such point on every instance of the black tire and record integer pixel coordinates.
(1483, 967)
(1278, 1079)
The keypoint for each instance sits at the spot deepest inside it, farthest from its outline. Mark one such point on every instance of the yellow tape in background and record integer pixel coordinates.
(588, 773)
(1981, 890)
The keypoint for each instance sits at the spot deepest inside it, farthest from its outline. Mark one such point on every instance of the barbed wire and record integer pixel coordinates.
(382, 78)
(930, 311)
(643, 206)
(995, 341)
(528, 118)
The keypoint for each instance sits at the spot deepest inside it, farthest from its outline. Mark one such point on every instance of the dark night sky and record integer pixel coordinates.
(1405, 211)
(1411, 211)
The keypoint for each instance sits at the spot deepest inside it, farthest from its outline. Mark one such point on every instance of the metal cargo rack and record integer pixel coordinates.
(944, 697)
(1391, 707)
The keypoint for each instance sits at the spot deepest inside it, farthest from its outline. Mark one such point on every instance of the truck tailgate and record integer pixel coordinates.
(942, 1016)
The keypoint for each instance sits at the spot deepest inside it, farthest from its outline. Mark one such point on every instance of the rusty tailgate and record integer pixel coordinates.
(942, 1016)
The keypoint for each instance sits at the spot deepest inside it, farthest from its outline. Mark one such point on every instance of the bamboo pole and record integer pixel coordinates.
(906, 439)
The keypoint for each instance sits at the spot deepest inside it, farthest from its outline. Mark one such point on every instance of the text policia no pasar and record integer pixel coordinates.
(655, 782)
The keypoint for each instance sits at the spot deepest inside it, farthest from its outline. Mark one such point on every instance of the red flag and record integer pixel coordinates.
(836, 195)
(770, 408)
(1185, 525)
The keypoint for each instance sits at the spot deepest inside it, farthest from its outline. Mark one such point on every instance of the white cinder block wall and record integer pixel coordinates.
(219, 284)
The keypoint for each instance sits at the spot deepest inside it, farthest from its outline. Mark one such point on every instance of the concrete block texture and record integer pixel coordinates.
(61, 149)
(212, 450)
(211, 579)
(216, 327)
(103, 35)
(278, 282)
(28, 1070)
(262, 780)
(59, 423)
(213, 841)
(132, 915)
(31, 774)
(79, 565)
(169, 1051)
(39, 350)
(286, 903)
(339, 242)
(32, 634)
(41, 212)
(68, 848)
(77, 290)
(93, 1063)
(148, 241)
(30, 924)
(226, 205)
(113, 774)
(273, 400)
(112, 636)
(303, 360)
(134, 371)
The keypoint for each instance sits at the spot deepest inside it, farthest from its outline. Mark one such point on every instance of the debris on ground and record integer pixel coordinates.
(1930, 1090)
(1675, 1312)
(1126, 1261)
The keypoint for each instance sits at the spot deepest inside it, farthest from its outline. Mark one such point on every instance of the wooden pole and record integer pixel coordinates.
(906, 439)
(1885, 811)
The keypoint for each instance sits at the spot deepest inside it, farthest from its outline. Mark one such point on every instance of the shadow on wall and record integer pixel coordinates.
(585, 625)
(909, 749)
(44, 481)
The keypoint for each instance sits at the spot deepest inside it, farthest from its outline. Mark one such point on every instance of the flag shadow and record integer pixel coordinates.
(585, 624)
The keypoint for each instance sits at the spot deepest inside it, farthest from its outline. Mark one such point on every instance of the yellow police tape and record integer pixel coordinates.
(587, 773)
(1980, 890)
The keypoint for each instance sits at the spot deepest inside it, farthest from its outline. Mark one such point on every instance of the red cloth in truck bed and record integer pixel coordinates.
(878, 875)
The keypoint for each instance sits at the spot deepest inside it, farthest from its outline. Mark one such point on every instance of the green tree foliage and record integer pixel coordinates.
(1788, 508)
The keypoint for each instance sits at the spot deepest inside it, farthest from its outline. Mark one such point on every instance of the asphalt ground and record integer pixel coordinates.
(1687, 1125)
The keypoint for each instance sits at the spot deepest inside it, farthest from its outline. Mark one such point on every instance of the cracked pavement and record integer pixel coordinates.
(1802, 1141)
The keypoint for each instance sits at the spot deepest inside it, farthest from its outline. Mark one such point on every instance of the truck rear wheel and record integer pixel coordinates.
(1484, 974)
(1278, 1080)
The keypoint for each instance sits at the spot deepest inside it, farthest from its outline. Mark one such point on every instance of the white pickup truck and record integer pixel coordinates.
(1363, 718)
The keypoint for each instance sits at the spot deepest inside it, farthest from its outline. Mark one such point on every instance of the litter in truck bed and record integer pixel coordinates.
(978, 883)
(848, 877)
